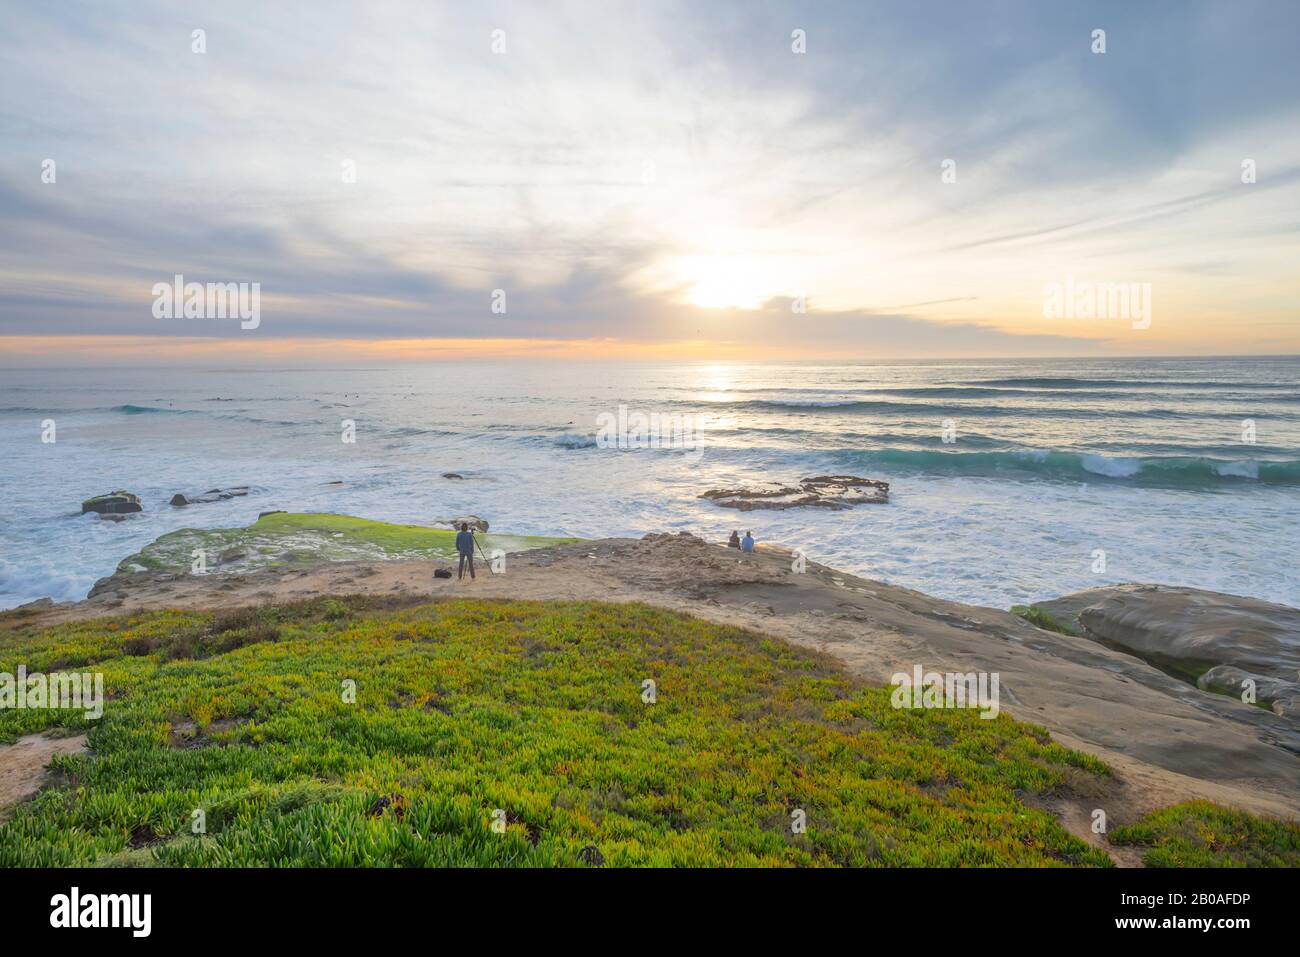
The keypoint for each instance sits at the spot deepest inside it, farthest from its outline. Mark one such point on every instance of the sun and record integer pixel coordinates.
(725, 282)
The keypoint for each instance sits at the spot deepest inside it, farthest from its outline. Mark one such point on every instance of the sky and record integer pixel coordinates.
(648, 180)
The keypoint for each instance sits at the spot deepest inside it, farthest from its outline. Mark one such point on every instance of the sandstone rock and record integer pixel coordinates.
(1186, 631)
(835, 492)
(102, 585)
(1231, 680)
(38, 603)
(113, 503)
(1288, 707)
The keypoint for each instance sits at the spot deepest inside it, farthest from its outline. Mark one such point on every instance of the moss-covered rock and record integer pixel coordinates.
(113, 503)
(283, 538)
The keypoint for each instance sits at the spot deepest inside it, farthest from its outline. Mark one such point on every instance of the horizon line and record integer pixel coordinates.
(126, 351)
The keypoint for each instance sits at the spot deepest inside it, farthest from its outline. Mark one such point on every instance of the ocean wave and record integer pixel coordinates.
(799, 403)
(413, 430)
(121, 409)
(886, 407)
(217, 416)
(143, 409)
(797, 396)
(35, 578)
(812, 405)
(873, 437)
(1190, 471)
(1068, 382)
(571, 440)
(972, 392)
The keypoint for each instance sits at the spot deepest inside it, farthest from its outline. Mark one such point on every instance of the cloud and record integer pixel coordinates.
(610, 163)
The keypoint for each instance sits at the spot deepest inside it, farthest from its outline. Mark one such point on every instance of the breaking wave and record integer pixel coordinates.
(1186, 471)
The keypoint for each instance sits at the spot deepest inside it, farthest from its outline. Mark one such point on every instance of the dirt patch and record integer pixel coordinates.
(143, 835)
(22, 765)
(1078, 815)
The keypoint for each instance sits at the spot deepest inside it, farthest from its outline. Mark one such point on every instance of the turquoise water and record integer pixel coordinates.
(1181, 471)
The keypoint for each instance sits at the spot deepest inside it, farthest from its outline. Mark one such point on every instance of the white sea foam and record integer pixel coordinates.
(1112, 468)
(1243, 469)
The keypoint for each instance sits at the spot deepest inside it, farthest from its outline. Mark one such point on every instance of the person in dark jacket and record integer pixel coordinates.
(465, 546)
(735, 540)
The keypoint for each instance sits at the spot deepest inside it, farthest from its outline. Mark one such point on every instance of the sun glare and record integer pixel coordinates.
(726, 282)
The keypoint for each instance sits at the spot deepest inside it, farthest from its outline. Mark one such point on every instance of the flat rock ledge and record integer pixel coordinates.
(835, 492)
(211, 495)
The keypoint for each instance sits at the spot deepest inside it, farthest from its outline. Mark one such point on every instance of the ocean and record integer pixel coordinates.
(1012, 480)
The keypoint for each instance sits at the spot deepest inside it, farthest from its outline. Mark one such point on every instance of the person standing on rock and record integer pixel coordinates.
(747, 543)
(465, 547)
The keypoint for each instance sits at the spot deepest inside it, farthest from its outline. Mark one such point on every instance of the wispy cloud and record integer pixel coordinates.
(616, 170)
